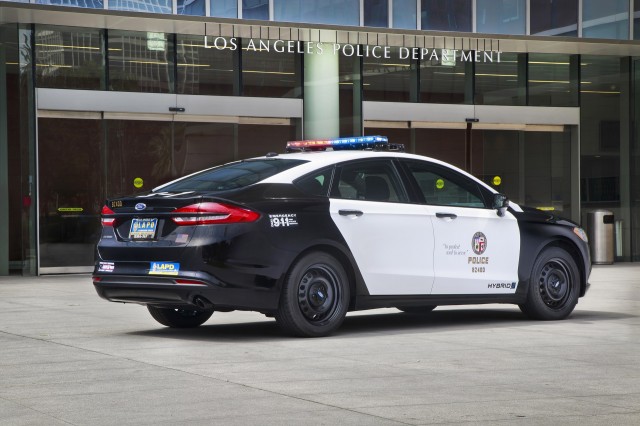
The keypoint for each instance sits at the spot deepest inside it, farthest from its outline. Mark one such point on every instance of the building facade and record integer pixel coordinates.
(100, 98)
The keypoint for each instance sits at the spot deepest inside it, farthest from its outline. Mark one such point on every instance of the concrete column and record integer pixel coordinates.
(4, 164)
(321, 93)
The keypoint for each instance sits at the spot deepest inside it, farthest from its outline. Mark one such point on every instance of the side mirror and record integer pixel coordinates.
(500, 203)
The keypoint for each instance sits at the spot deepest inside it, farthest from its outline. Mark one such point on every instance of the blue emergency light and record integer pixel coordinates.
(338, 144)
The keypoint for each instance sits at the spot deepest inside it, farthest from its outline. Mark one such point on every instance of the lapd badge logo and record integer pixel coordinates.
(479, 243)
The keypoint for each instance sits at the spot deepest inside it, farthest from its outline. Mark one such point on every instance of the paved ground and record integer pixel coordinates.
(68, 357)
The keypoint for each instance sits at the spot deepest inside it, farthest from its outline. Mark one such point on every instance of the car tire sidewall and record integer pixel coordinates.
(290, 316)
(535, 305)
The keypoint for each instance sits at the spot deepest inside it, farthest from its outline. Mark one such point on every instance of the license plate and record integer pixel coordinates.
(143, 229)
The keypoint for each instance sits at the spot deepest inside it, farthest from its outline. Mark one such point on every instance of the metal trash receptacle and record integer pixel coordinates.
(601, 236)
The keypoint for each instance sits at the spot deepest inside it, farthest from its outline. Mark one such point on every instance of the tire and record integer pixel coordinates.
(315, 296)
(554, 286)
(179, 318)
(416, 310)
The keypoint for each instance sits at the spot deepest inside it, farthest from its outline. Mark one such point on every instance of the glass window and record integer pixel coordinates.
(204, 71)
(151, 6)
(336, 12)
(442, 82)
(605, 19)
(497, 82)
(446, 15)
(387, 79)
(266, 72)
(500, 17)
(404, 14)
(69, 58)
(199, 146)
(554, 18)
(232, 176)
(636, 20)
(550, 82)
(255, 9)
(191, 7)
(369, 181)
(140, 62)
(316, 183)
(259, 139)
(444, 144)
(71, 190)
(600, 116)
(93, 4)
(376, 13)
(441, 187)
(224, 8)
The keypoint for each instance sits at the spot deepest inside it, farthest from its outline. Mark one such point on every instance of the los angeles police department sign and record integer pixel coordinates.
(447, 57)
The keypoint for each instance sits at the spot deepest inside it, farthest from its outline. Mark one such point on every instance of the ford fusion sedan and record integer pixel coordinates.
(334, 226)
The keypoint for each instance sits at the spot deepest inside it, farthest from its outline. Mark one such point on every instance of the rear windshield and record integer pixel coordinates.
(231, 176)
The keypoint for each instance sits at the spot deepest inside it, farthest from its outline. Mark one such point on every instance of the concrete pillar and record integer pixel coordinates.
(321, 93)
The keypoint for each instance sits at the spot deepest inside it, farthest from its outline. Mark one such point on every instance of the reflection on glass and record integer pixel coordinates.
(191, 7)
(550, 80)
(337, 12)
(140, 62)
(255, 139)
(93, 4)
(255, 9)
(497, 82)
(204, 71)
(350, 96)
(600, 117)
(446, 15)
(376, 13)
(68, 58)
(198, 146)
(554, 18)
(404, 14)
(152, 6)
(443, 144)
(636, 20)
(500, 17)
(71, 190)
(269, 73)
(387, 79)
(224, 8)
(605, 19)
(442, 82)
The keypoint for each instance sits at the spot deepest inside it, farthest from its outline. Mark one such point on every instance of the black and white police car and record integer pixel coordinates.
(307, 236)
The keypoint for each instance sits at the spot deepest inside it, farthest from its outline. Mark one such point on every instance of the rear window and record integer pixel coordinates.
(231, 176)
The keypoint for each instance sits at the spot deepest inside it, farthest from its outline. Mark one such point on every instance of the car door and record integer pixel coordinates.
(390, 239)
(476, 250)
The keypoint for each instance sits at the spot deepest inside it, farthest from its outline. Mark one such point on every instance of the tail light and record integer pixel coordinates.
(213, 213)
(107, 221)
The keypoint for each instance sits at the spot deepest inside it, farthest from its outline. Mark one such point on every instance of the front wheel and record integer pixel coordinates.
(179, 318)
(315, 296)
(554, 286)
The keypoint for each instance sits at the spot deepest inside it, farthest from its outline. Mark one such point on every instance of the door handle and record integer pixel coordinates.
(357, 213)
(446, 215)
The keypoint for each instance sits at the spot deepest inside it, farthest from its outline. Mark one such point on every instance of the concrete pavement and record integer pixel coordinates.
(68, 357)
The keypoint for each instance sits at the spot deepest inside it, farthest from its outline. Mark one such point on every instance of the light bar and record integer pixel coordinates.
(358, 142)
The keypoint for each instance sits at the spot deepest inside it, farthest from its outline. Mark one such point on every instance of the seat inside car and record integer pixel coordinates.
(376, 189)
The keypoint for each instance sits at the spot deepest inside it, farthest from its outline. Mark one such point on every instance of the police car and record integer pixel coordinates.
(334, 226)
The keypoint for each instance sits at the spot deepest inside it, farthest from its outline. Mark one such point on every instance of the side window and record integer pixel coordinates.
(316, 183)
(375, 180)
(443, 187)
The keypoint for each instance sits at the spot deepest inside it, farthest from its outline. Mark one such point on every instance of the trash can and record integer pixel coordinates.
(601, 236)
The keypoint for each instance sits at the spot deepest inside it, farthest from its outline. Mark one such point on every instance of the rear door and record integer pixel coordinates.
(390, 239)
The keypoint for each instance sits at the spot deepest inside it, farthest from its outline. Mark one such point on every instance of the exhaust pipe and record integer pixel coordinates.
(202, 303)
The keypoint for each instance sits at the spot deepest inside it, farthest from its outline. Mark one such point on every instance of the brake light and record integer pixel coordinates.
(213, 213)
(107, 221)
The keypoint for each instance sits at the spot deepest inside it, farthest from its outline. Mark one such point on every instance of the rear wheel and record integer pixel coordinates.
(554, 286)
(315, 296)
(179, 318)
(418, 310)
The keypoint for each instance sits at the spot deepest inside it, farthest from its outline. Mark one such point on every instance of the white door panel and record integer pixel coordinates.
(476, 251)
(391, 242)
